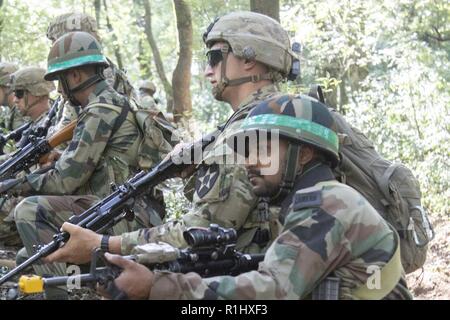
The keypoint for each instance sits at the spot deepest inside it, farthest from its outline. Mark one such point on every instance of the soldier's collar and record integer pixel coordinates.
(316, 173)
(258, 95)
(99, 88)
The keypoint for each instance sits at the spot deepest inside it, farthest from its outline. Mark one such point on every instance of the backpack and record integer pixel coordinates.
(391, 189)
(158, 134)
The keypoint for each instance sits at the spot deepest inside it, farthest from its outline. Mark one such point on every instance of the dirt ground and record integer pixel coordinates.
(430, 283)
(433, 282)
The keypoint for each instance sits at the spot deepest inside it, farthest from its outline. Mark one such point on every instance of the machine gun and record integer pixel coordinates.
(119, 204)
(33, 153)
(212, 252)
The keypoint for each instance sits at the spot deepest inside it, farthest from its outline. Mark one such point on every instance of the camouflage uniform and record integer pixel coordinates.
(340, 235)
(329, 229)
(222, 191)
(30, 79)
(225, 197)
(10, 118)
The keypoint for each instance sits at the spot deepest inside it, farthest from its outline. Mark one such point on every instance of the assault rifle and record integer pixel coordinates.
(212, 252)
(13, 135)
(21, 134)
(33, 153)
(119, 204)
(40, 131)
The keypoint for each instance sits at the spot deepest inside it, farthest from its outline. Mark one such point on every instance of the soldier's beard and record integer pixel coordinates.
(261, 186)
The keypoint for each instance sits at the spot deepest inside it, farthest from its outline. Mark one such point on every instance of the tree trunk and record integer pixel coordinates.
(114, 38)
(145, 70)
(181, 77)
(98, 8)
(270, 8)
(157, 57)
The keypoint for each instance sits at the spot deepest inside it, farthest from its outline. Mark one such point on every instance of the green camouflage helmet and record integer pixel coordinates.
(253, 36)
(32, 80)
(6, 69)
(70, 22)
(147, 85)
(74, 49)
(299, 119)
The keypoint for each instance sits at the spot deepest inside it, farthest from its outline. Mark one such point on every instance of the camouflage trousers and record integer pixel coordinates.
(8, 232)
(38, 218)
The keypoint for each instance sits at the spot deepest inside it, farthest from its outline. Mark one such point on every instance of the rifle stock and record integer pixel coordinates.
(32, 153)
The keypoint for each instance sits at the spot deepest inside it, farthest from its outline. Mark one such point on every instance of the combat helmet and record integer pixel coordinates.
(299, 120)
(6, 69)
(252, 36)
(70, 22)
(74, 50)
(31, 79)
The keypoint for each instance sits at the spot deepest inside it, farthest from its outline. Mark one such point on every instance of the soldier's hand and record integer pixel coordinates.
(135, 280)
(174, 154)
(79, 248)
(51, 157)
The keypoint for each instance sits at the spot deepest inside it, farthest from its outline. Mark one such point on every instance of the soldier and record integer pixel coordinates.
(103, 150)
(31, 96)
(332, 238)
(146, 91)
(116, 78)
(31, 93)
(248, 53)
(12, 119)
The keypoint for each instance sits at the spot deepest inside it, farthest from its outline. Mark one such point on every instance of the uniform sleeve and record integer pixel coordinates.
(79, 160)
(228, 202)
(301, 256)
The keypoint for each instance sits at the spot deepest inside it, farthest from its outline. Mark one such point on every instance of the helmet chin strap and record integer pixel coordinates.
(97, 77)
(290, 172)
(225, 82)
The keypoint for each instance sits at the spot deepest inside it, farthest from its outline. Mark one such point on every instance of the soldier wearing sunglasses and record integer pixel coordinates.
(31, 92)
(11, 118)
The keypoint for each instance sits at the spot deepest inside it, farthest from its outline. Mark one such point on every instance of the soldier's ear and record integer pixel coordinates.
(249, 64)
(306, 155)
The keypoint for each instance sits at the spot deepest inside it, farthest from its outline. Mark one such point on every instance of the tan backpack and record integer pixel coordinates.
(391, 188)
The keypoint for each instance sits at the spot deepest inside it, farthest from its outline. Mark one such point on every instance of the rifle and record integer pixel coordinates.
(119, 204)
(42, 130)
(211, 253)
(13, 135)
(33, 153)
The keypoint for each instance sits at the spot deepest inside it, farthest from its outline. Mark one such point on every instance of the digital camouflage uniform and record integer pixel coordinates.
(10, 116)
(329, 229)
(30, 79)
(222, 195)
(100, 153)
(223, 192)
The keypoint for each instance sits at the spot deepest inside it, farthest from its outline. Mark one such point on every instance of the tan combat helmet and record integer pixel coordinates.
(147, 85)
(70, 22)
(31, 79)
(252, 36)
(6, 69)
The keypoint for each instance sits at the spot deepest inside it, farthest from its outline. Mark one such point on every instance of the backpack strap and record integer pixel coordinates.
(390, 275)
(383, 182)
(317, 93)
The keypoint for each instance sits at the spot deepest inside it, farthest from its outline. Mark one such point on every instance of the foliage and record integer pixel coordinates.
(385, 65)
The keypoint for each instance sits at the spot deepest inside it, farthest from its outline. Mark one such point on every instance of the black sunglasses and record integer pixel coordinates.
(19, 93)
(214, 57)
